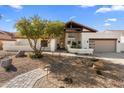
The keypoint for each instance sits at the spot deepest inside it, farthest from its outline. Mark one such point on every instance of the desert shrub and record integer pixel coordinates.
(35, 56)
(98, 72)
(7, 69)
(94, 59)
(68, 80)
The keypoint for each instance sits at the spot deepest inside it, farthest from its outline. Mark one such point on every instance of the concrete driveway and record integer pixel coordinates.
(117, 58)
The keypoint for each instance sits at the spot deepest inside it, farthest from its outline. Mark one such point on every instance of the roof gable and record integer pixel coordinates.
(79, 25)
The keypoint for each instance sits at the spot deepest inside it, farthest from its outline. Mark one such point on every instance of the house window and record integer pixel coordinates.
(71, 35)
(44, 43)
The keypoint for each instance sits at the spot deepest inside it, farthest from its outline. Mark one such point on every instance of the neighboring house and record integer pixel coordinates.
(5, 36)
(78, 38)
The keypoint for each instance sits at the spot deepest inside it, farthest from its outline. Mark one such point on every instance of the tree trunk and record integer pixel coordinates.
(37, 52)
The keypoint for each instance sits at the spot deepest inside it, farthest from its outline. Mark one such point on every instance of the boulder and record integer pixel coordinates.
(7, 62)
(20, 54)
(99, 65)
(98, 72)
(90, 64)
(61, 87)
(68, 80)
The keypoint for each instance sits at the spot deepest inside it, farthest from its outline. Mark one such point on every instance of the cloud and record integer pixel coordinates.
(109, 9)
(8, 20)
(16, 6)
(103, 10)
(107, 24)
(72, 17)
(111, 19)
(118, 7)
(85, 6)
(1, 16)
(95, 26)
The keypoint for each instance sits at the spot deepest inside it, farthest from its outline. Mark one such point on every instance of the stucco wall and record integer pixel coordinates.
(100, 35)
(78, 38)
(122, 39)
(23, 44)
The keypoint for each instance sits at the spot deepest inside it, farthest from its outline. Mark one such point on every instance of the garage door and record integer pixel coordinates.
(103, 45)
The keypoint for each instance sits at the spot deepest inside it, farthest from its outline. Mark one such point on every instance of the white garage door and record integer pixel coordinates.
(103, 45)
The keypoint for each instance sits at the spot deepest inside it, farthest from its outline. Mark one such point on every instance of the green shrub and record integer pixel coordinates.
(7, 69)
(94, 59)
(35, 56)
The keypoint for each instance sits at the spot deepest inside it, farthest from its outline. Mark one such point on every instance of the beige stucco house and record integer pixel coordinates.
(80, 39)
(83, 39)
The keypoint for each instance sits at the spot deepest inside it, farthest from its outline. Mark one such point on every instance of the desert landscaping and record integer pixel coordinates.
(67, 72)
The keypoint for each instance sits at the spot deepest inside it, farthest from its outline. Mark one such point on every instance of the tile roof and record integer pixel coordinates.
(4, 35)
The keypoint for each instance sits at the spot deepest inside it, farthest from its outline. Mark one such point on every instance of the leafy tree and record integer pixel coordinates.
(33, 29)
(54, 29)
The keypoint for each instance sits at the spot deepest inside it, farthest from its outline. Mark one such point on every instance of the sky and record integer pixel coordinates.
(100, 17)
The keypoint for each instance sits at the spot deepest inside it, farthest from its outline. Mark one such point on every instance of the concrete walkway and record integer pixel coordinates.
(26, 80)
(67, 54)
(117, 58)
(75, 55)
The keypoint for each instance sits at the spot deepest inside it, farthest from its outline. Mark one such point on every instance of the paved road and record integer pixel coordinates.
(26, 80)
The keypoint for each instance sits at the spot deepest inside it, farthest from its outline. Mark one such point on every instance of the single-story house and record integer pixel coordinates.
(79, 38)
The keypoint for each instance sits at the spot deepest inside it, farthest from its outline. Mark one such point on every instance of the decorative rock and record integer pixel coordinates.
(47, 67)
(90, 64)
(98, 72)
(20, 54)
(61, 87)
(7, 62)
(98, 65)
(68, 80)
(94, 59)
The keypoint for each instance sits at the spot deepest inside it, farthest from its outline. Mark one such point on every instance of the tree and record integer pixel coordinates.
(54, 29)
(33, 29)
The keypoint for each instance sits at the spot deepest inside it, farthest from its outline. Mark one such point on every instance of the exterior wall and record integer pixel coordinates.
(122, 39)
(100, 35)
(122, 47)
(78, 38)
(122, 44)
(53, 45)
(80, 51)
(22, 44)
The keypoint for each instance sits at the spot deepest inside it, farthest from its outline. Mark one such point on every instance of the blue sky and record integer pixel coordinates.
(100, 17)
